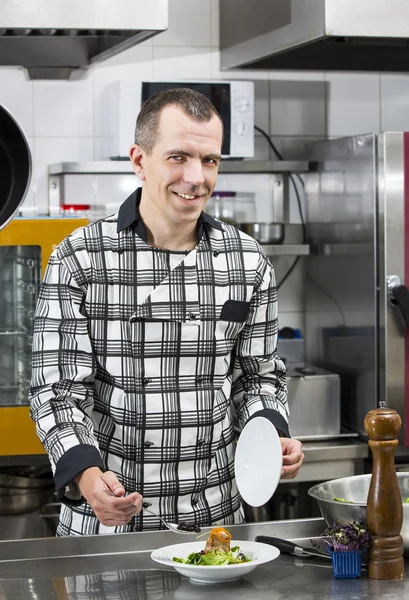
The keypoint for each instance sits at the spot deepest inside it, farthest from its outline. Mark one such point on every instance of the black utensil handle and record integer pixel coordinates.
(401, 295)
(283, 545)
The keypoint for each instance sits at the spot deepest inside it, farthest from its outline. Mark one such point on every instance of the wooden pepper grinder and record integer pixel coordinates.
(384, 511)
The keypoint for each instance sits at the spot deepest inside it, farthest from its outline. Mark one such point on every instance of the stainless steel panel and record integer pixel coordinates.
(356, 215)
(391, 260)
(315, 34)
(75, 15)
(341, 286)
(57, 39)
(314, 402)
(291, 23)
(252, 23)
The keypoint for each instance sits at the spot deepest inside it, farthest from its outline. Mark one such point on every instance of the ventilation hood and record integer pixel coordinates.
(352, 35)
(59, 39)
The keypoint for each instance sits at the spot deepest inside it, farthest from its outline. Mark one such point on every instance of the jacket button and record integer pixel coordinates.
(199, 379)
(201, 442)
(216, 253)
(192, 316)
(148, 444)
(194, 501)
(146, 381)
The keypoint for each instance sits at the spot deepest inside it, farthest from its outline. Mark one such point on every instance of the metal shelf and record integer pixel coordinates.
(226, 166)
(343, 249)
(264, 166)
(92, 167)
(286, 249)
(13, 332)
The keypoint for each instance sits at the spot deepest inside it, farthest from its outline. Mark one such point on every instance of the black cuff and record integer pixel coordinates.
(276, 419)
(71, 464)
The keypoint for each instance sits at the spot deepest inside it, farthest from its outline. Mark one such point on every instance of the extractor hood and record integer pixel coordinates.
(352, 35)
(59, 39)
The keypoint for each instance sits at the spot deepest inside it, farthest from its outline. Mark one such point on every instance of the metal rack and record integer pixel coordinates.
(286, 249)
(226, 166)
(57, 172)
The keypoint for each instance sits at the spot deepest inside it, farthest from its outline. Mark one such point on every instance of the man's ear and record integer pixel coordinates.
(137, 155)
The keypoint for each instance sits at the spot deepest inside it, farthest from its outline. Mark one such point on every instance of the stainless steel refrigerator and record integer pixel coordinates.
(357, 299)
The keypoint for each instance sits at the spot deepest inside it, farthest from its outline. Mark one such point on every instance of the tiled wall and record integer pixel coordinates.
(63, 122)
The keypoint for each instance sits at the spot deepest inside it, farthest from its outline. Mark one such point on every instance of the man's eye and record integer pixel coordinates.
(210, 161)
(177, 158)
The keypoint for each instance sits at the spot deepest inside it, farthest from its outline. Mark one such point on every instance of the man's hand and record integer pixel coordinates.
(109, 510)
(293, 457)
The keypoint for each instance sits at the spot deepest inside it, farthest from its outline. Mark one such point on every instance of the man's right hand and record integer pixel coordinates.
(109, 510)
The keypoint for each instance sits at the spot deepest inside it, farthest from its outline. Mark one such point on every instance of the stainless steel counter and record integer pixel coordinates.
(119, 567)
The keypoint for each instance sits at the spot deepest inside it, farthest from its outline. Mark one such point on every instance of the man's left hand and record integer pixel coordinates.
(293, 457)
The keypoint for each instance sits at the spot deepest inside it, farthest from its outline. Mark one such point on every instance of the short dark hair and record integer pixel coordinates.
(193, 103)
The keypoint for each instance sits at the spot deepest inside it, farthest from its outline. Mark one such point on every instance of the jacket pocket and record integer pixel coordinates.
(235, 310)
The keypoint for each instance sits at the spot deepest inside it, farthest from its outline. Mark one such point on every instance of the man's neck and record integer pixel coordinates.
(162, 234)
(172, 240)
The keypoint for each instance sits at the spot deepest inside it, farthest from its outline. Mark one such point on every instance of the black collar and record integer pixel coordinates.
(128, 215)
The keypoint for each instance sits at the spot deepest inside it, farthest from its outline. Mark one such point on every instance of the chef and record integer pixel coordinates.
(150, 325)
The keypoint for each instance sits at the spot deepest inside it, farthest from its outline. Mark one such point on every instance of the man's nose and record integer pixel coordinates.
(193, 173)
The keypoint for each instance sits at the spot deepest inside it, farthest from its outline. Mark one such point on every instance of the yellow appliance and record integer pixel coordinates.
(25, 247)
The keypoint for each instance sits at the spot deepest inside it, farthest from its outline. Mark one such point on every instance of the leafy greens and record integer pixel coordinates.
(214, 558)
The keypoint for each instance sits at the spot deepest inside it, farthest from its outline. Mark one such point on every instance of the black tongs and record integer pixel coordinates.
(287, 547)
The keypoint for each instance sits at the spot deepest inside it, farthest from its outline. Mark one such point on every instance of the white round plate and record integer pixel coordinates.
(259, 554)
(258, 462)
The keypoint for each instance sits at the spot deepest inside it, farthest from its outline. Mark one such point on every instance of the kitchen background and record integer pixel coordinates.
(353, 357)
(63, 119)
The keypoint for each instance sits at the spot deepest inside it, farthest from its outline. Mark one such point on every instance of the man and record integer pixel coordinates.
(149, 324)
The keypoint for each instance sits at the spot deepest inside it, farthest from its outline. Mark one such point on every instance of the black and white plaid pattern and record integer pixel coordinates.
(136, 358)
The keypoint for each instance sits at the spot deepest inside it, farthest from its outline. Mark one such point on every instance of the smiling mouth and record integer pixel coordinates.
(187, 196)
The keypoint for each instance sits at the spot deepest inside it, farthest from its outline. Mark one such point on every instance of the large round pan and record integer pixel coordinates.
(15, 167)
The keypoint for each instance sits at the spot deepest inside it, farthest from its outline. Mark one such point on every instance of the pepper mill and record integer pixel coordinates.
(384, 513)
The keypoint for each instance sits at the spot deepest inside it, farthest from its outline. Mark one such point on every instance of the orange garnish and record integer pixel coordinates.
(217, 531)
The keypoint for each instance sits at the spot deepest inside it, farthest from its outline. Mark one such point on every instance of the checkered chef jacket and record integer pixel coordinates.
(138, 354)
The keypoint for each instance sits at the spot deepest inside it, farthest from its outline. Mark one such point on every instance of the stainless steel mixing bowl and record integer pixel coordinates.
(265, 233)
(355, 490)
(26, 483)
(19, 501)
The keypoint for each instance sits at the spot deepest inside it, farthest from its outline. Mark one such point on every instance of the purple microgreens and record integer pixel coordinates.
(343, 537)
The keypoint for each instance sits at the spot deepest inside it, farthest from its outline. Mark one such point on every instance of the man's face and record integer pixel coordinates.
(180, 173)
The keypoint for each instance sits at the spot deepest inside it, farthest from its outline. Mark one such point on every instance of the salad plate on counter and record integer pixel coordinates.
(217, 567)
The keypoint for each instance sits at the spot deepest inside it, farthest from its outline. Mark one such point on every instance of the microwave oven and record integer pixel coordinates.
(122, 100)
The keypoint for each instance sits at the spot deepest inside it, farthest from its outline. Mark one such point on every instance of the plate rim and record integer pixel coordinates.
(276, 443)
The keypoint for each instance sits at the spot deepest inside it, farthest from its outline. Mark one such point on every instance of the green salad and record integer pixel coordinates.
(343, 500)
(214, 558)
